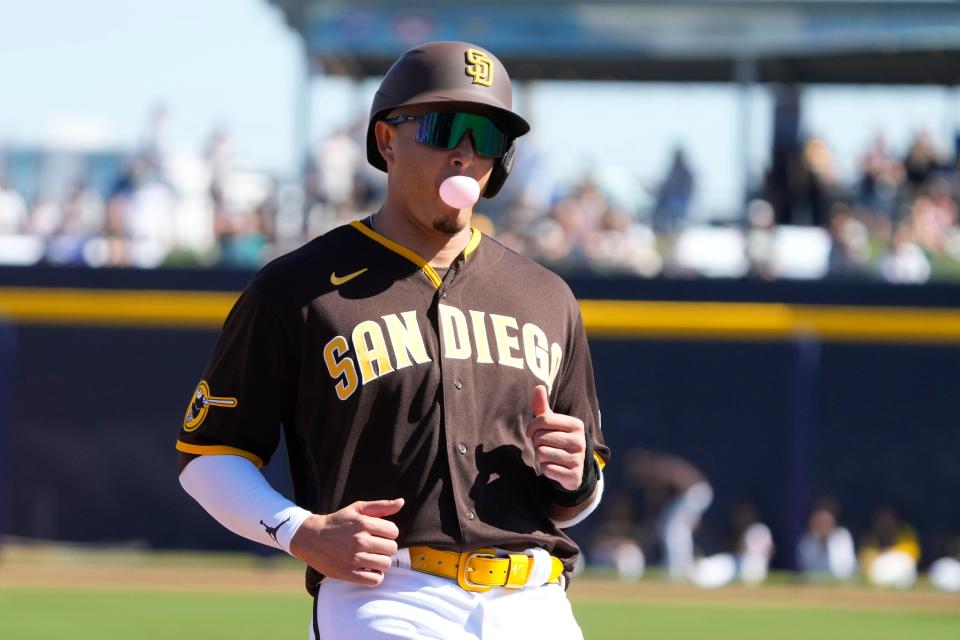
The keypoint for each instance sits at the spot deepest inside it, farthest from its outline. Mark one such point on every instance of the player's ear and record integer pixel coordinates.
(386, 140)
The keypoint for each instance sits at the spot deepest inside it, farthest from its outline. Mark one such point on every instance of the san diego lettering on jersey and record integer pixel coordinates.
(376, 348)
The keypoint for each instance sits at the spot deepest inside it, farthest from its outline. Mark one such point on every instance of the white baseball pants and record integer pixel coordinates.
(410, 604)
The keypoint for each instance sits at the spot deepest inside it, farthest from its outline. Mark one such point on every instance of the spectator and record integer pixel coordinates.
(617, 245)
(890, 550)
(13, 209)
(219, 158)
(114, 250)
(753, 543)
(921, 161)
(673, 196)
(934, 215)
(83, 214)
(616, 540)
(945, 571)
(850, 244)
(46, 216)
(179, 208)
(148, 223)
(881, 184)
(246, 241)
(818, 183)
(338, 161)
(82, 219)
(751, 547)
(826, 549)
(155, 141)
(906, 263)
(759, 245)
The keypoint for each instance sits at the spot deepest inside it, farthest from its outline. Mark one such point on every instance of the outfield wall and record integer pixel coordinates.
(781, 392)
(7, 344)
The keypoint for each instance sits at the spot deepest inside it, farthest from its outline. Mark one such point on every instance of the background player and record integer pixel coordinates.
(435, 389)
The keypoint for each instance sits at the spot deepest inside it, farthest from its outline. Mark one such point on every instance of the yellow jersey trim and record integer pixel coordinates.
(412, 256)
(600, 461)
(218, 450)
(475, 237)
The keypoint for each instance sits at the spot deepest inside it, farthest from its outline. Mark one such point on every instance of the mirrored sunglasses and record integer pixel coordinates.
(445, 130)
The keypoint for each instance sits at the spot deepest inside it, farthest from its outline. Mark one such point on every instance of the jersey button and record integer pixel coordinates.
(470, 515)
(462, 448)
(458, 384)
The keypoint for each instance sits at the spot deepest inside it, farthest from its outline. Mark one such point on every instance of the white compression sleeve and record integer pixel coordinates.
(236, 494)
(590, 508)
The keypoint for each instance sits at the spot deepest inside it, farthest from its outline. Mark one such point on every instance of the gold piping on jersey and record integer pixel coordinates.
(475, 237)
(600, 460)
(429, 271)
(412, 256)
(218, 450)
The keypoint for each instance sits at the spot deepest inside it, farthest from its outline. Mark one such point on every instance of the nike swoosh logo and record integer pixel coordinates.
(337, 281)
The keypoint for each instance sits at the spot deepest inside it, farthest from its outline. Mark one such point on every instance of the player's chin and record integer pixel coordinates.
(452, 223)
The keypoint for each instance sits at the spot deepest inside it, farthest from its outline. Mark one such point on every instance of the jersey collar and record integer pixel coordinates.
(412, 256)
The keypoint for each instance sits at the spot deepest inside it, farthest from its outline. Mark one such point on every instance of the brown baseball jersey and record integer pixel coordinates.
(391, 381)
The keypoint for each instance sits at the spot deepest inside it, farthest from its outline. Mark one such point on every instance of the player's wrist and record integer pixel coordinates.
(300, 539)
(287, 533)
(564, 497)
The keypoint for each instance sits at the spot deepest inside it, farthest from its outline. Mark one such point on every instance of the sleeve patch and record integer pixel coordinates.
(200, 404)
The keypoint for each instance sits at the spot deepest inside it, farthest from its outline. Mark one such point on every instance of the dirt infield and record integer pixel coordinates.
(143, 571)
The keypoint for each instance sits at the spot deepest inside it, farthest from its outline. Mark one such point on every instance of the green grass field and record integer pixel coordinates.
(699, 621)
(106, 598)
(45, 614)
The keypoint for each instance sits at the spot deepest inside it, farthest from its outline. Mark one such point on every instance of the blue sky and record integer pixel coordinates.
(88, 72)
(98, 65)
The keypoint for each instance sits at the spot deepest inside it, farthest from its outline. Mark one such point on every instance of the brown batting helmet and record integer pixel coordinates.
(449, 72)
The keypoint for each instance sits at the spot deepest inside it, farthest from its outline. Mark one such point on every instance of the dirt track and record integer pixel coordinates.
(18, 571)
(153, 578)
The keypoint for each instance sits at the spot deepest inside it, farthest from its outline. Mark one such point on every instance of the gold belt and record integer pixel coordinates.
(479, 570)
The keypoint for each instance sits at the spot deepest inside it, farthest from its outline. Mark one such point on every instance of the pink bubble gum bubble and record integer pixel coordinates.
(460, 192)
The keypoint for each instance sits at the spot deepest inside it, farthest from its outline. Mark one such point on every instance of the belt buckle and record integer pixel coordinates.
(463, 570)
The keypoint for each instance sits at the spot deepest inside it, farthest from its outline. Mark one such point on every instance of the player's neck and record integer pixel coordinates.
(437, 248)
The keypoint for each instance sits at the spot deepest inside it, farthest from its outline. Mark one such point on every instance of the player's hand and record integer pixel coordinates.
(559, 443)
(354, 544)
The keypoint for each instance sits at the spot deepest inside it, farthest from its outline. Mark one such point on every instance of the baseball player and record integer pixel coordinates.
(435, 390)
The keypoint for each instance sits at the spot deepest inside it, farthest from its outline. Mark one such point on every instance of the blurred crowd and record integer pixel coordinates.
(897, 221)
(657, 518)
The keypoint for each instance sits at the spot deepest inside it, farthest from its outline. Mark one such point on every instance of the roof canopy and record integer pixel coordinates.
(813, 41)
